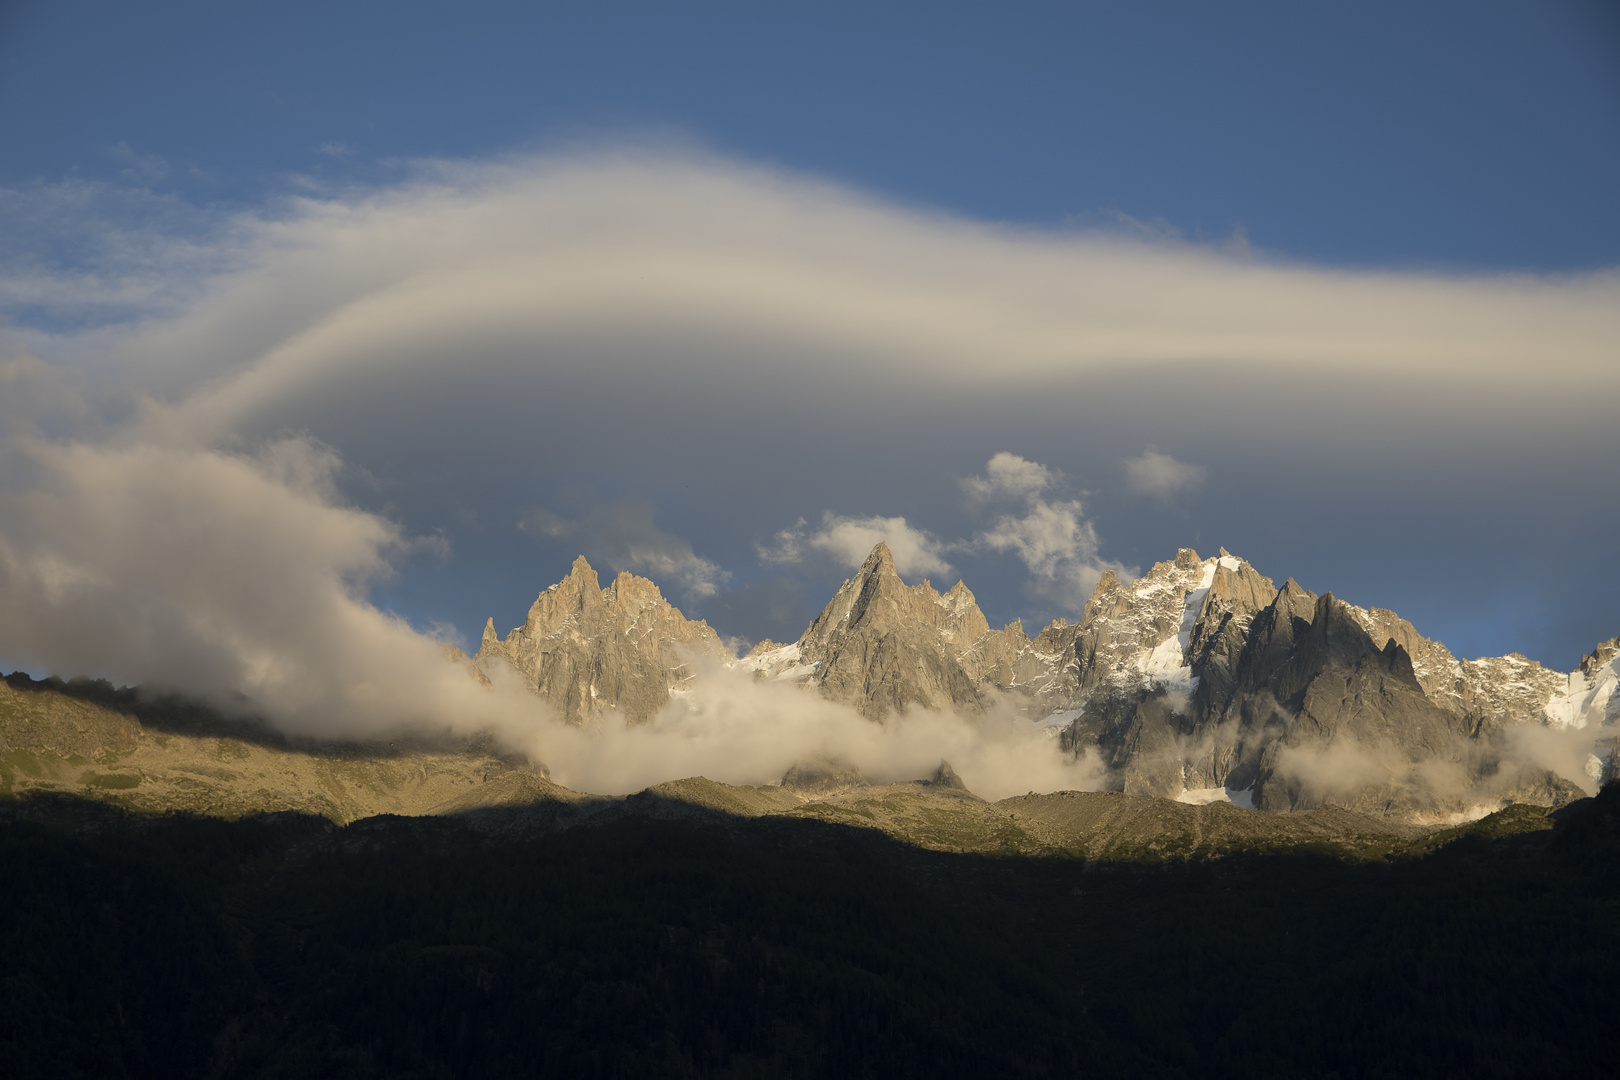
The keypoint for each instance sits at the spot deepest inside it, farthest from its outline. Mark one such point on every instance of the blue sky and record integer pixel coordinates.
(1452, 134)
(189, 189)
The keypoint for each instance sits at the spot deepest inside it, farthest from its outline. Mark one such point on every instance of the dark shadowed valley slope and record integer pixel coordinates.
(700, 931)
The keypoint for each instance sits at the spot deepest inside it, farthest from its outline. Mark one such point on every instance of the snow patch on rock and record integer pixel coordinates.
(1167, 662)
(1586, 699)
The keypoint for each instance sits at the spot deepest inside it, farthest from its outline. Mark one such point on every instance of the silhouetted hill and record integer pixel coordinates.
(711, 944)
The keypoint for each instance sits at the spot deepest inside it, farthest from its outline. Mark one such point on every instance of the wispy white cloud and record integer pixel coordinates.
(1159, 474)
(634, 246)
(219, 573)
(849, 540)
(1051, 536)
(1056, 543)
(1048, 533)
(623, 535)
(1009, 476)
(76, 255)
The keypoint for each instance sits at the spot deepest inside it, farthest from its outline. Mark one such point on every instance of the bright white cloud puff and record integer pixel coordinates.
(849, 540)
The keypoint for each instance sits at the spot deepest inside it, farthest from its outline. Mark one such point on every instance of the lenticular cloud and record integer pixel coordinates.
(170, 505)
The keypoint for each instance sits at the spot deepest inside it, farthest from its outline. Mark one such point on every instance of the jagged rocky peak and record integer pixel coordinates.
(1295, 600)
(875, 598)
(1495, 692)
(590, 650)
(1239, 586)
(1236, 597)
(885, 646)
(1130, 635)
(1288, 700)
(1199, 679)
(1145, 629)
(1599, 657)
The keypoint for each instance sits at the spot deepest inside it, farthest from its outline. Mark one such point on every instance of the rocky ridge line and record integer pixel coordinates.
(1201, 680)
(588, 650)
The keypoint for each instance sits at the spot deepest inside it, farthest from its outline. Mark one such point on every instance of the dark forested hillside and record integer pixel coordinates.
(713, 946)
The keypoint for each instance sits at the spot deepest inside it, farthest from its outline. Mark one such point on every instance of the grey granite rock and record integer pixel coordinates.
(589, 650)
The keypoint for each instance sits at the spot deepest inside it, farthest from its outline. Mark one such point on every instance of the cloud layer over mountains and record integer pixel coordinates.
(238, 449)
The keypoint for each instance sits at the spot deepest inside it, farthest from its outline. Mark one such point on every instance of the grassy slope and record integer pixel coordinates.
(164, 757)
(175, 757)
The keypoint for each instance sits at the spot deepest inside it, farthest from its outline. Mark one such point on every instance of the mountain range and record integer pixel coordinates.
(1200, 681)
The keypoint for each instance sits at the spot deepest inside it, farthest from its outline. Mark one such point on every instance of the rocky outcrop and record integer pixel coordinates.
(589, 650)
(820, 777)
(884, 646)
(1347, 719)
(38, 716)
(1294, 701)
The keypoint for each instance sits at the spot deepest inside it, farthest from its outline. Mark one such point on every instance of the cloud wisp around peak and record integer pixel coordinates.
(847, 541)
(622, 534)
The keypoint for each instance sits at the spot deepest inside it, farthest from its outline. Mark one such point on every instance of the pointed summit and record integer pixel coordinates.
(583, 574)
(883, 645)
(881, 561)
(1294, 591)
(588, 650)
(945, 777)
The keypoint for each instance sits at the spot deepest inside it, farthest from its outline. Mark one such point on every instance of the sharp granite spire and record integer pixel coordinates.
(587, 649)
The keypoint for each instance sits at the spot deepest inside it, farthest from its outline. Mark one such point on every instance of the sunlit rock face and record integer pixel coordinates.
(884, 646)
(1200, 680)
(1142, 653)
(588, 650)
